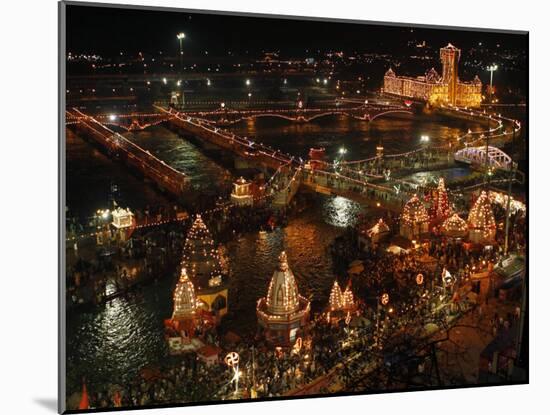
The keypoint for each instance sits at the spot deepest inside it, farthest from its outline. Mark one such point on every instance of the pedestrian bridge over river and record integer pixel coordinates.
(349, 181)
(364, 112)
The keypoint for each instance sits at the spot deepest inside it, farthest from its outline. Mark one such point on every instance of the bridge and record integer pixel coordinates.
(224, 116)
(164, 176)
(366, 181)
(255, 153)
(481, 155)
(129, 122)
(259, 155)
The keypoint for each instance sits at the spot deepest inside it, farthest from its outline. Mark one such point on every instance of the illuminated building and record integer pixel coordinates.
(242, 194)
(436, 89)
(185, 301)
(283, 313)
(341, 300)
(123, 222)
(317, 158)
(414, 219)
(481, 221)
(202, 260)
(180, 329)
(454, 227)
(441, 209)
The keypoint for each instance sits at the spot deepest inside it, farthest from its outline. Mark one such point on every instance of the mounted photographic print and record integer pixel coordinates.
(256, 207)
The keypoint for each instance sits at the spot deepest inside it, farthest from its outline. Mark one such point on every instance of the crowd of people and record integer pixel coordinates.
(151, 253)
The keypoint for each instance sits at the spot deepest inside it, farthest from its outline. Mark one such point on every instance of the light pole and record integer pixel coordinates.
(342, 151)
(491, 69)
(180, 37)
(425, 140)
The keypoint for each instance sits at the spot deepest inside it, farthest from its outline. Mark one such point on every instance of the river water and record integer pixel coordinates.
(111, 343)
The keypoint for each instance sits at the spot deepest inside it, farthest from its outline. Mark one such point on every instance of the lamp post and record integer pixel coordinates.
(180, 36)
(342, 151)
(425, 140)
(491, 69)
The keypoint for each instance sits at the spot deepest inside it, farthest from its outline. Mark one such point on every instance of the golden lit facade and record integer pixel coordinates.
(436, 89)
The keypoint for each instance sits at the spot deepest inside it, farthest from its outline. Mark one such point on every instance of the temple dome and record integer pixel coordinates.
(414, 212)
(185, 301)
(282, 295)
(455, 226)
(414, 219)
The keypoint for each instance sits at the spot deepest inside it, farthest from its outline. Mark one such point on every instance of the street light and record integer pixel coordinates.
(491, 69)
(425, 140)
(247, 82)
(180, 36)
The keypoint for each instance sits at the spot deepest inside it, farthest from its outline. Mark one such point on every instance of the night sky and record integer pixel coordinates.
(107, 31)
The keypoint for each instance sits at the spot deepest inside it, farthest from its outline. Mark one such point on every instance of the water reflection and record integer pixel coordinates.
(431, 177)
(341, 212)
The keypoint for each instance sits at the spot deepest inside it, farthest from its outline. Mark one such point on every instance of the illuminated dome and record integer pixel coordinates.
(283, 313)
(185, 302)
(282, 295)
(414, 211)
(455, 227)
(414, 219)
(481, 221)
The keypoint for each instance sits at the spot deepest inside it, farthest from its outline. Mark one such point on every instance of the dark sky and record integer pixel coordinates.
(107, 31)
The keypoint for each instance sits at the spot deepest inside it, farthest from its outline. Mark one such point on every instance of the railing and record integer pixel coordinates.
(165, 175)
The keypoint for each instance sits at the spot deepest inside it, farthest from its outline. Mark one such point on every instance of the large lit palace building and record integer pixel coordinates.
(436, 89)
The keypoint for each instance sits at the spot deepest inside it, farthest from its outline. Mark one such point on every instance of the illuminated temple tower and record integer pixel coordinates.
(450, 56)
(185, 303)
(481, 221)
(414, 219)
(436, 89)
(201, 259)
(284, 313)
